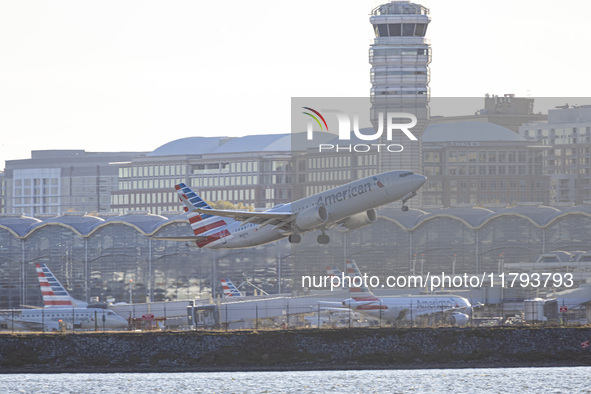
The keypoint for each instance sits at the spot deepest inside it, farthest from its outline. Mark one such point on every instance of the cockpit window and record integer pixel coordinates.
(405, 174)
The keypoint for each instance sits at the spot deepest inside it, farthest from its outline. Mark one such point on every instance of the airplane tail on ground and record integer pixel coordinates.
(54, 294)
(333, 271)
(230, 290)
(358, 290)
(210, 227)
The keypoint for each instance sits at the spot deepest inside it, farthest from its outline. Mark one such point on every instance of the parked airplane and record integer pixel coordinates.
(229, 289)
(452, 308)
(59, 308)
(349, 206)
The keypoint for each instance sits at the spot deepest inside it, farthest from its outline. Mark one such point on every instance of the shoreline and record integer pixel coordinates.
(294, 350)
(302, 368)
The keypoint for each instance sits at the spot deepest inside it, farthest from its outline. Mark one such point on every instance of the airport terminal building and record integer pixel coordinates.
(109, 253)
(112, 257)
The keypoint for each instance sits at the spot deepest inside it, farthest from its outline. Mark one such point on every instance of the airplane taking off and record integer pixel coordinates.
(229, 289)
(59, 307)
(349, 206)
(406, 307)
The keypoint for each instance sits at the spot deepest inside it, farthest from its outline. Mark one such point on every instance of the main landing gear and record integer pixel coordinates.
(323, 239)
(295, 238)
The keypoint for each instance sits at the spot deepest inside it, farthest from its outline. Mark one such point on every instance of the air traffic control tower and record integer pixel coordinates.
(399, 58)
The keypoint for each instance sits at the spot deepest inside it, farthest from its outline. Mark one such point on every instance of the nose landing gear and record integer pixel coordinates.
(405, 199)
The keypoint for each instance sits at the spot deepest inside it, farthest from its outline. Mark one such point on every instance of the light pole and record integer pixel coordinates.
(422, 262)
(278, 268)
(500, 262)
(130, 291)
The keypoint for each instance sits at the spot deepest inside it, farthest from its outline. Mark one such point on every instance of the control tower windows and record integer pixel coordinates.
(382, 30)
(395, 29)
(400, 29)
(421, 29)
(408, 29)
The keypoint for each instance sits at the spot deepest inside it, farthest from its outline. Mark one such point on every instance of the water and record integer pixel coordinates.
(485, 380)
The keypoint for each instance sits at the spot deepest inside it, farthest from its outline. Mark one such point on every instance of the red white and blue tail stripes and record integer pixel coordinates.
(333, 271)
(358, 293)
(229, 289)
(213, 228)
(54, 294)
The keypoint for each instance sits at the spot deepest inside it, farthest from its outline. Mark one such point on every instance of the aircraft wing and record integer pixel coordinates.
(21, 325)
(264, 218)
(333, 309)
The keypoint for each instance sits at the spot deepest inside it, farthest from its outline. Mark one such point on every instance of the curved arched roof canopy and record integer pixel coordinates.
(147, 222)
(82, 223)
(473, 216)
(18, 224)
(540, 216)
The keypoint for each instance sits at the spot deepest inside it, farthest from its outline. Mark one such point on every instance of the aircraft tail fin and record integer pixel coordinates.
(229, 289)
(358, 290)
(54, 294)
(333, 271)
(202, 224)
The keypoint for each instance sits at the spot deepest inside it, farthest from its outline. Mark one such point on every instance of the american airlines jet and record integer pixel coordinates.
(60, 308)
(407, 307)
(349, 206)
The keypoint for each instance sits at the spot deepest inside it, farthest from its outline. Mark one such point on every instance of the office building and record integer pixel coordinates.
(56, 181)
(567, 136)
(257, 171)
(479, 163)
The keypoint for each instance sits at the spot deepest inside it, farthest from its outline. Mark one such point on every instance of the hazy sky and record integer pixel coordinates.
(133, 75)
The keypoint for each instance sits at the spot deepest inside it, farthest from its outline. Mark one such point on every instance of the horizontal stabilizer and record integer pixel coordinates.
(255, 217)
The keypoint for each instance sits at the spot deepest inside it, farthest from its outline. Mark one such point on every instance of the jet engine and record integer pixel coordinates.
(311, 217)
(360, 219)
(459, 319)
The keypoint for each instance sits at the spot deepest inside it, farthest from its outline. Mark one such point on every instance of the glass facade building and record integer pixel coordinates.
(113, 257)
(56, 181)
